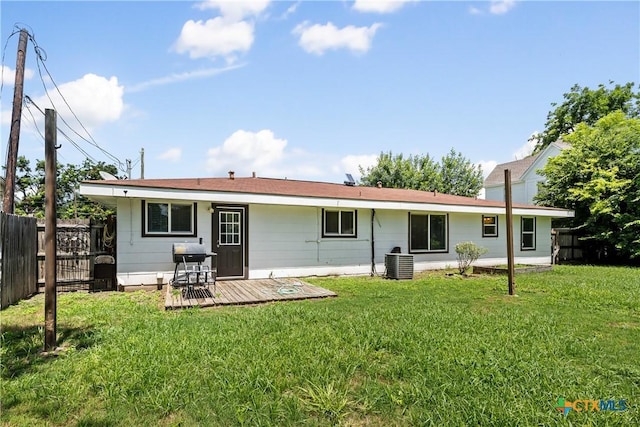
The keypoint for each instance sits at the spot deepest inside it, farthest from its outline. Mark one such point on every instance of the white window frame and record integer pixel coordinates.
(484, 226)
(236, 235)
(354, 213)
(169, 232)
(532, 233)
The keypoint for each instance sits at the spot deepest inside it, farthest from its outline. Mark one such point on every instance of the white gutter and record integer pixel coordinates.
(132, 192)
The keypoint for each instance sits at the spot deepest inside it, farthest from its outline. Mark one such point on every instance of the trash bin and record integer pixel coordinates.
(104, 273)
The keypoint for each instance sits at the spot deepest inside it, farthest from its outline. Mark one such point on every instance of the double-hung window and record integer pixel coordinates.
(339, 223)
(527, 234)
(489, 225)
(428, 233)
(176, 219)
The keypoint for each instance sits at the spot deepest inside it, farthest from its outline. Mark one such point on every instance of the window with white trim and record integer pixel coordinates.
(527, 234)
(489, 225)
(167, 218)
(428, 233)
(339, 223)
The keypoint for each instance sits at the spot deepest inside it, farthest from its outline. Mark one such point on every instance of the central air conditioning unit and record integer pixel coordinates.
(399, 266)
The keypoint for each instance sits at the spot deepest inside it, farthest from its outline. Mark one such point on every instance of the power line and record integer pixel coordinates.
(35, 122)
(68, 138)
(40, 60)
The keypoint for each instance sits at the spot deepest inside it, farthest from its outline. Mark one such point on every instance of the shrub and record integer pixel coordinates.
(468, 253)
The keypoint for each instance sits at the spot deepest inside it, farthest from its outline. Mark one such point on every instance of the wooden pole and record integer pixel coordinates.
(509, 208)
(50, 226)
(14, 135)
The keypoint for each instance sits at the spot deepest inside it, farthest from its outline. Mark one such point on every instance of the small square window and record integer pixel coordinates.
(489, 225)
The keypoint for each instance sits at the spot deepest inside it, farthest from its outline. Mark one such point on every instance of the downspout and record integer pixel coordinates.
(373, 241)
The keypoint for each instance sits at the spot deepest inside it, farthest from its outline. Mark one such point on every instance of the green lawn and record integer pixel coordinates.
(439, 350)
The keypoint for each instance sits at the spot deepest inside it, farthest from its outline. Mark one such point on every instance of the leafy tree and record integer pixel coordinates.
(30, 189)
(454, 175)
(599, 178)
(584, 105)
(459, 176)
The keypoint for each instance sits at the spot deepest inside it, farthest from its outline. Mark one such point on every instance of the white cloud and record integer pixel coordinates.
(245, 152)
(474, 10)
(379, 6)
(227, 35)
(235, 10)
(9, 75)
(290, 10)
(172, 155)
(215, 37)
(501, 7)
(527, 148)
(96, 100)
(487, 166)
(351, 164)
(317, 39)
(180, 77)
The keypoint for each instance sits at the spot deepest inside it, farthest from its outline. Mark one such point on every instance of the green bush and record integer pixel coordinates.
(468, 253)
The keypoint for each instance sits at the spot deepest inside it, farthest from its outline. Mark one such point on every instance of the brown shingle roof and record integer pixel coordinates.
(518, 168)
(294, 188)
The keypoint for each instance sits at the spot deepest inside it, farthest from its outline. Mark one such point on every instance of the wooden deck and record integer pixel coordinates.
(237, 292)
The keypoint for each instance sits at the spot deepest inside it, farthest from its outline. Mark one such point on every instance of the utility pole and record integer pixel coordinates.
(128, 168)
(142, 163)
(509, 208)
(50, 246)
(14, 136)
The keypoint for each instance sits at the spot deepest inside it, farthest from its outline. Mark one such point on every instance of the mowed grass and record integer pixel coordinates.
(438, 350)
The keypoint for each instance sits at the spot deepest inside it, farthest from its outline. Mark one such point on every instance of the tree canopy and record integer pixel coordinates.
(453, 175)
(30, 189)
(599, 178)
(584, 105)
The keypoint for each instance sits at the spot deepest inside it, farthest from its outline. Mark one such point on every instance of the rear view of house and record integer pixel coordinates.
(261, 227)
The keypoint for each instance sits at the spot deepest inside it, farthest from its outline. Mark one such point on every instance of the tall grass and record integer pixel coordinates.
(438, 350)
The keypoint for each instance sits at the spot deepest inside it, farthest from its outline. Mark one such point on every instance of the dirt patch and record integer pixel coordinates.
(519, 270)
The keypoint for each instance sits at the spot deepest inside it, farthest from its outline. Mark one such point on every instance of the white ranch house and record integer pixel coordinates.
(261, 227)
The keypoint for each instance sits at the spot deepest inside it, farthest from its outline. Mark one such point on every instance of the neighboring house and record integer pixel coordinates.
(524, 175)
(262, 227)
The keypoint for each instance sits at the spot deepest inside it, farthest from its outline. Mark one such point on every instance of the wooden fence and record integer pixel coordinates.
(18, 262)
(566, 246)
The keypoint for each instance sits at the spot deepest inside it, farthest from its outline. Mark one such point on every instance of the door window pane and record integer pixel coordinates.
(229, 228)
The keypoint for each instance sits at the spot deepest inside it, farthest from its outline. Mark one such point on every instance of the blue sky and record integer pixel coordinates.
(309, 89)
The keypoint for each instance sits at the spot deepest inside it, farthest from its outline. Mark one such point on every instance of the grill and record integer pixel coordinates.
(189, 252)
(195, 274)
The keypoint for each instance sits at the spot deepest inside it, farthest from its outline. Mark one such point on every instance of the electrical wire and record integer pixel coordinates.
(75, 144)
(4, 51)
(41, 57)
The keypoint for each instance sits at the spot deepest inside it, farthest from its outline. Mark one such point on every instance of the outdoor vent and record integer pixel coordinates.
(399, 266)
